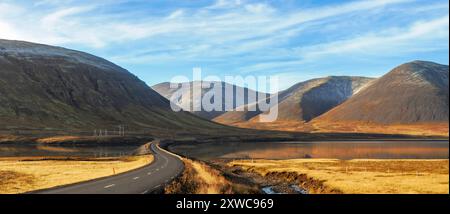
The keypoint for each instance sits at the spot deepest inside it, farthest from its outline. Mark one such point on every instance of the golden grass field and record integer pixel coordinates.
(363, 176)
(430, 129)
(19, 175)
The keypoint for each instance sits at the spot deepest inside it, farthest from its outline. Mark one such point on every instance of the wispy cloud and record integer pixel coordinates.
(233, 36)
(401, 40)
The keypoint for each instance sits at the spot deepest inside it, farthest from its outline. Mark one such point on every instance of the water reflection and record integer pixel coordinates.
(26, 150)
(338, 150)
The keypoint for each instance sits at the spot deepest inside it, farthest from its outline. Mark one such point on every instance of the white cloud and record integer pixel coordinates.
(417, 37)
(7, 31)
(388, 41)
(52, 2)
(259, 8)
(238, 21)
(176, 14)
(324, 12)
(256, 26)
(59, 17)
(225, 4)
(257, 33)
(9, 10)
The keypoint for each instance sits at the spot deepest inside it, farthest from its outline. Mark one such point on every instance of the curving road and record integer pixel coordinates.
(164, 168)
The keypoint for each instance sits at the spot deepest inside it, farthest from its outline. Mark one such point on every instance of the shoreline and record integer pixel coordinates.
(356, 176)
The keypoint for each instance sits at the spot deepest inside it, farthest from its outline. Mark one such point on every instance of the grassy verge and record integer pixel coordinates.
(18, 175)
(199, 178)
(356, 176)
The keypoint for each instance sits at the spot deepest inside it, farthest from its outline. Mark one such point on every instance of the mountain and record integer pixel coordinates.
(188, 99)
(51, 88)
(415, 92)
(305, 100)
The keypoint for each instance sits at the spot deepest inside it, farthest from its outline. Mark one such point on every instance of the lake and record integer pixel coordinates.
(31, 150)
(323, 149)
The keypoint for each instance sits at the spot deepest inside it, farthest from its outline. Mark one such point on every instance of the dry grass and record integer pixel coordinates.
(362, 176)
(430, 129)
(276, 125)
(9, 138)
(27, 174)
(57, 139)
(199, 178)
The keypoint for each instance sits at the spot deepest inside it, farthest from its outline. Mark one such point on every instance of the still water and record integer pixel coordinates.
(323, 149)
(27, 150)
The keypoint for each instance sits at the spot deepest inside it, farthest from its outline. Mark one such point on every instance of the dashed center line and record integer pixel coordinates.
(111, 185)
(135, 178)
(149, 173)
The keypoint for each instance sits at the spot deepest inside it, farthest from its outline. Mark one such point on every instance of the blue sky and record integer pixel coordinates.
(296, 40)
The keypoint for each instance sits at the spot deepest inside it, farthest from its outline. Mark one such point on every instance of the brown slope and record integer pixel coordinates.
(415, 92)
(304, 101)
(240, 96)
(52, 88)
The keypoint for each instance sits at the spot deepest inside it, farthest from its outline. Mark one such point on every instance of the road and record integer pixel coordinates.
(164, 168)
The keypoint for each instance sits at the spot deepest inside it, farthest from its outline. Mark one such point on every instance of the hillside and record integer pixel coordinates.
(412, 98)
(305, 100)
(239, 97)
(415, 92)
(52, 88)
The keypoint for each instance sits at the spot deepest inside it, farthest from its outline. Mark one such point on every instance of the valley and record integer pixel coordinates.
(61, 108)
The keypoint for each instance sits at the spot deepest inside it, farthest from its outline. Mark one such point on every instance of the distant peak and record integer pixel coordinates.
(27, 50)
(422, 63)
(419, 67)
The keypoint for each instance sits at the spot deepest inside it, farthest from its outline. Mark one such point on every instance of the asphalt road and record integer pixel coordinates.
(164, 168)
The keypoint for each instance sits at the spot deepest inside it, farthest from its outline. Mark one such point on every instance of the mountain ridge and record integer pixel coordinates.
(305, 100)
(240, 96)
(50, 88)
(413, 92)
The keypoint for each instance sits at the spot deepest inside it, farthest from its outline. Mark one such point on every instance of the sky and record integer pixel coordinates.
(295, 40)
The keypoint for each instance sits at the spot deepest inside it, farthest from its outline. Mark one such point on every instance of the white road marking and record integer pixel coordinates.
(149, 173)
(146, 191)
(157, 186)
(111, 185)
(157, 169)
(135, 178)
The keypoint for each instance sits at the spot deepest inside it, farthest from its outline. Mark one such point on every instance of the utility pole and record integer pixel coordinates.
(121, 130)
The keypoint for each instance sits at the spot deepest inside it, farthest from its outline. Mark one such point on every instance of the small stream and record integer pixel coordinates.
(294, 189)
